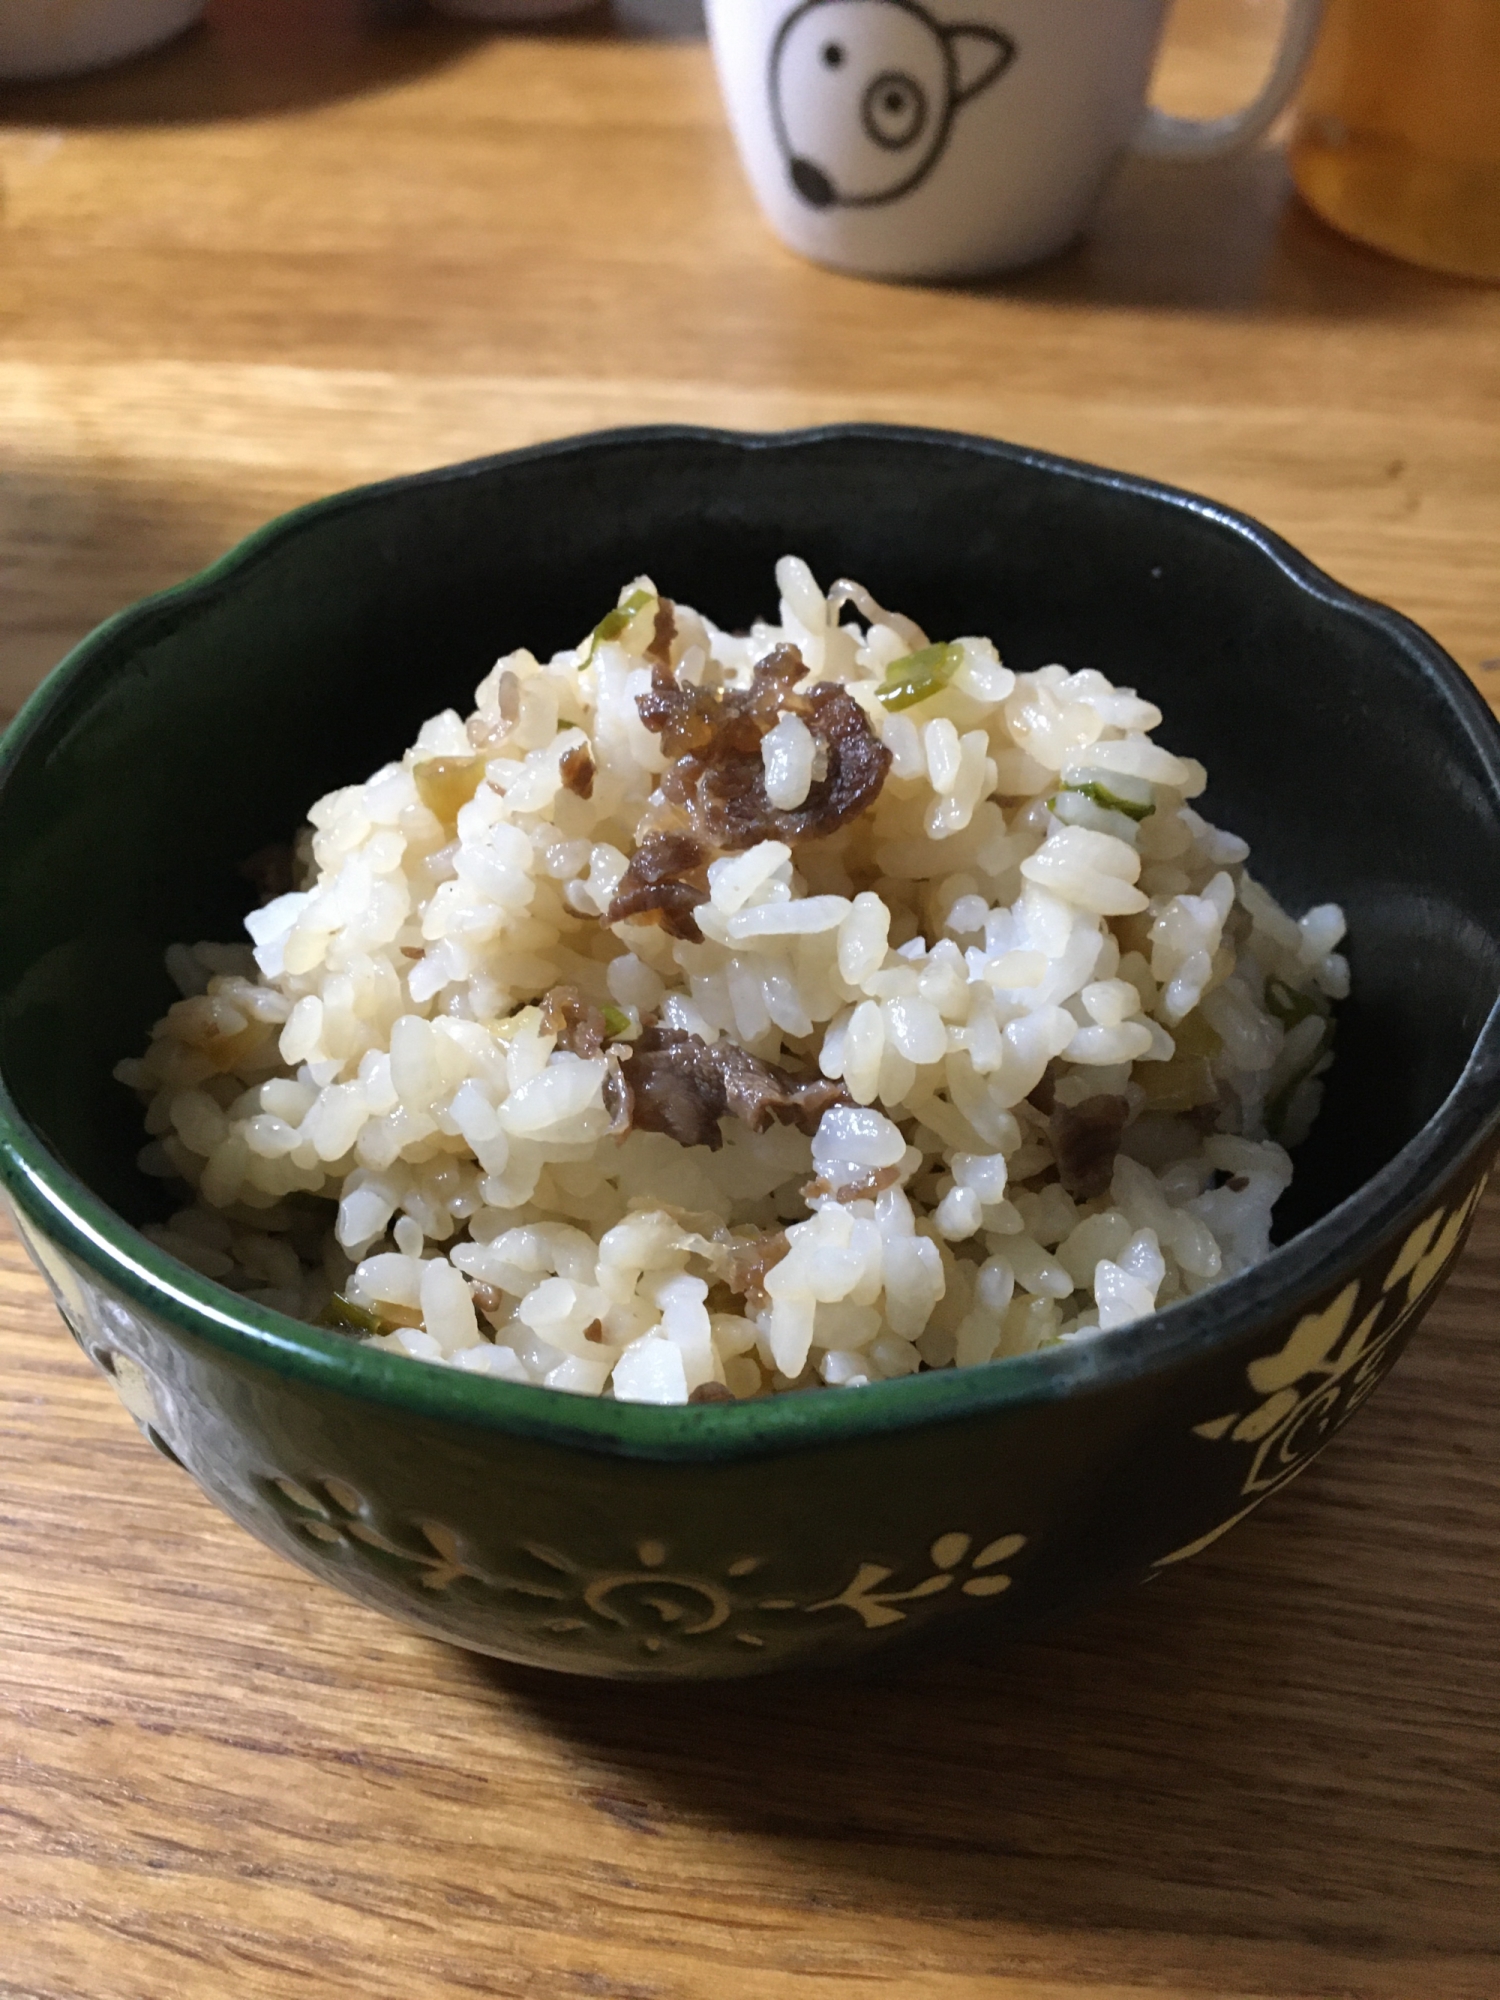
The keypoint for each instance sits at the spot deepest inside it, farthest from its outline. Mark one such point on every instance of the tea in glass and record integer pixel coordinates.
(1398, 134)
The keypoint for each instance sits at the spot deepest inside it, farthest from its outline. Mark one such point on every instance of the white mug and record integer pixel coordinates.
(952, 138)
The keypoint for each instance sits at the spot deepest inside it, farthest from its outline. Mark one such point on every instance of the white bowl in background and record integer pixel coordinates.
(62, 37)
(508, 11)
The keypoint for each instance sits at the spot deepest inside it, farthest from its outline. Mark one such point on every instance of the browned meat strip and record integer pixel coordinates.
(659, 652)
(1085, 1139)
(682, 1086)
(712, 798)
(577, 771)
(711, 1392)
(727, 799)
(718, 779)
(690, 720)
(749, 1263)
(672, 1089)
(664, 884)
(577, 1023)
(760, 1092)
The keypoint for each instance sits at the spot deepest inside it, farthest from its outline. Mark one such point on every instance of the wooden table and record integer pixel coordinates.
(302, 249)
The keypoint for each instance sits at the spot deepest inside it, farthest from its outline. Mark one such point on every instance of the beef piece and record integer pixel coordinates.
(760, 1092)
(692, 720)
(751, 1260)
(672, 1092)
(670, 905)
(659, 652)
(712, 798)
(664, 884)
(577, 771)
(1085, 1139)
(711, 1392)
(728, 798)
(682, 1086)
(717, 780)
(577, 1023)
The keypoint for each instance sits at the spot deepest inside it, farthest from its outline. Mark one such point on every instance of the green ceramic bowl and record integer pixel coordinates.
(622, 1540)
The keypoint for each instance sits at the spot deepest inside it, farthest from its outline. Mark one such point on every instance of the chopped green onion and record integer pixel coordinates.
(1111, 800)
(616, 1023)
(1292, 1008)
(1195, 1035)
(613, 623)
(1287, 1004)
(919, 676)
(350, 1318)
(1279, 1108)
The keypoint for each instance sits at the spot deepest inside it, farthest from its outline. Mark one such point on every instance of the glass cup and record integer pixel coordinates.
(1398, 133)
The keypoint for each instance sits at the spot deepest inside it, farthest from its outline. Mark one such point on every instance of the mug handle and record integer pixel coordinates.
(1161, 136)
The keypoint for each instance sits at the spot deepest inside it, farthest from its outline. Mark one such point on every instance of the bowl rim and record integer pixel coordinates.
(64, 1209)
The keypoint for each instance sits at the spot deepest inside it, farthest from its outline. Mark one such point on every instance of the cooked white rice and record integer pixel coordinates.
(1030, 917)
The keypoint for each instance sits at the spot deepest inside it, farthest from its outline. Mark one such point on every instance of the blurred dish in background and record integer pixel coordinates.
(62, 37)
(670, 20)
(505, 11)
(1398, 141)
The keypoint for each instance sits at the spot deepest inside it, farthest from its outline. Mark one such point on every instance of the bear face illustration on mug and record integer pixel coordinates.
(864, 94)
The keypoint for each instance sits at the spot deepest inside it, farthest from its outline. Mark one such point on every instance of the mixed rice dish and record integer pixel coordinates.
(711, 1015)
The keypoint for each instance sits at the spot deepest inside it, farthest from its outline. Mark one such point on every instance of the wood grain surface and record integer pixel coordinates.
(312, 245)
